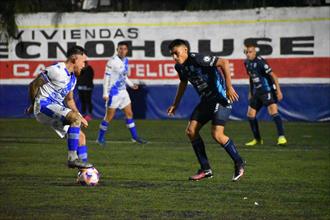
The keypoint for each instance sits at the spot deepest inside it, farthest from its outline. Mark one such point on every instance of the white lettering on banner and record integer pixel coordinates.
(149, 73)
(232, 69)
(280, 32)
(169, 70)
(139, 70)
(21, 70)
(144, 71)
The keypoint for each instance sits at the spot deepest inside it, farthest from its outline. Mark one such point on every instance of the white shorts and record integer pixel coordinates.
(53, 115)
(120, 100)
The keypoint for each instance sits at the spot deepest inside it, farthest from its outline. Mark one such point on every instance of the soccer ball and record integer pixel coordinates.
(88, 177)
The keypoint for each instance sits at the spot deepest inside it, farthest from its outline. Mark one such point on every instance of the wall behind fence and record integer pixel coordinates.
(295, 41)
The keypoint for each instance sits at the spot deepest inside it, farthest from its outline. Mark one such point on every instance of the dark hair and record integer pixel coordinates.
(248, 45)
(179, 42)
(122, 43)
(75, 50)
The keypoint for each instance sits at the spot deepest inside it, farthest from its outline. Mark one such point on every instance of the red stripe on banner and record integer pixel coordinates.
(164, 69)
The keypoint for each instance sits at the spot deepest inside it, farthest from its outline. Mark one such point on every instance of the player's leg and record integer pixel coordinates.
(221, 116)
(65, 122)
(254, 106)
(198, 118)
(126, 107)
(273, 111)
(82, 149)
(130, 124)
(73, 139)
(110, 113)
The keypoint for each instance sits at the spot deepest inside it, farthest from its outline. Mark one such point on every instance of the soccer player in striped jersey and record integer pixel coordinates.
(264, 91)
(116, 95)
(49, 91)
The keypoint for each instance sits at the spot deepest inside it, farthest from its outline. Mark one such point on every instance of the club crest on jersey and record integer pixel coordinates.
(207, 59)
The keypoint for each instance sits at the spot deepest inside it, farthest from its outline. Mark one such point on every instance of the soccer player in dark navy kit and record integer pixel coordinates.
(264, 91)
(217, 94)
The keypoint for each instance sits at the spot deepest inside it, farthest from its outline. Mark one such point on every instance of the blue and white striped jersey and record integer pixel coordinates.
(59, 83)
(115, 77)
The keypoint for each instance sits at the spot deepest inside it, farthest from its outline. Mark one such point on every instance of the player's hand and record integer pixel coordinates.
(135, 87)
(84, 123)
(171, 110)
(279, 95)
(105, 98)
(29, 110)
(232, 95)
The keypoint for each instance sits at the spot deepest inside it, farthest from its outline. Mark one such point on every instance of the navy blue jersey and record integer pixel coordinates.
(259, 73)
(201, 71)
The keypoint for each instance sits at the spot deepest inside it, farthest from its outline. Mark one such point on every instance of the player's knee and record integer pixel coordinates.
(272, 109)
(191, 133)
(250, 114)
(82, 139)
(74, 118)
(129, 115)
(219, 137)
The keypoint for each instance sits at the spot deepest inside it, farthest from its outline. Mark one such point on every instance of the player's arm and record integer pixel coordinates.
(69, 99)
(70, 102)
(277, 84)
(178, 96)
(131, 84)
(106, 85)
(224, 65)
(251, 87)
(33, 91)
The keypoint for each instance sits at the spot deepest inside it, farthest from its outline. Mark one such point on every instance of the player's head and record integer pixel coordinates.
(179, 50)
(250, 51)
(122, 49)
(76, 55)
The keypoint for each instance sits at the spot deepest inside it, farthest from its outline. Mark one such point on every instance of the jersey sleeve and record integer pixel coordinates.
(107, 77)
(205, 60)
(111, 66)
(265, 67)
(50, 74)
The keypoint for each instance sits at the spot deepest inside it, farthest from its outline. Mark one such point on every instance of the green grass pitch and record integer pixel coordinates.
(150, 181)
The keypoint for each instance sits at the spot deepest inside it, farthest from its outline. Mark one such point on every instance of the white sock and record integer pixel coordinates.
(72, 155)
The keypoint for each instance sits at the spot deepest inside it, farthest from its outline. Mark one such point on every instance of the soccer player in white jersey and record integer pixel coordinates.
(116, 95)
(49, 91)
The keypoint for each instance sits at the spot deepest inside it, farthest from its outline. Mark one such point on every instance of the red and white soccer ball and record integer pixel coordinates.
(88, 177)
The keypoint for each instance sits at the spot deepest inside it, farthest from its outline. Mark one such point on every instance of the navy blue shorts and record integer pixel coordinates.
(214, 111)
(264, 99)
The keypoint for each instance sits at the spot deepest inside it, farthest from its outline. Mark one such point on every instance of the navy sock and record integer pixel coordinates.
(279, 124)
(232, 151)
(199, 148)
(254, 127)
